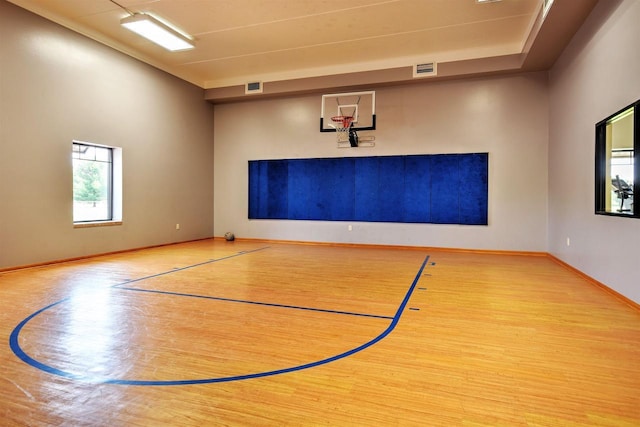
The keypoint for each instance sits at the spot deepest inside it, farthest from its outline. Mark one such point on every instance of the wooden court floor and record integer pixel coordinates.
(251, 333)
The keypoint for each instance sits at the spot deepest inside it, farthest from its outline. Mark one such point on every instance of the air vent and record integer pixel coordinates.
(427, 69)
(253, 87)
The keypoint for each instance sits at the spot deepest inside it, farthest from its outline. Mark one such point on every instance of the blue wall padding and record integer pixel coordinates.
(474, 201)
(417, 194)
(443, 189)
(445, 186)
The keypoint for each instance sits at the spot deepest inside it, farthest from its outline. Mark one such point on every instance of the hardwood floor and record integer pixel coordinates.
(256, 333)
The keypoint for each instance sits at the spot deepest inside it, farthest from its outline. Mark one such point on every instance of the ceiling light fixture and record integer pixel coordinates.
(547, 6)
(156, 31)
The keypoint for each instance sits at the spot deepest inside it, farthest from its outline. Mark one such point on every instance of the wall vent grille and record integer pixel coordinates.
(427, 69)
(253, 87)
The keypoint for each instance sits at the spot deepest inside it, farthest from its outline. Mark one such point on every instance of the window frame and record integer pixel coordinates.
(601, 158)
(114, 190)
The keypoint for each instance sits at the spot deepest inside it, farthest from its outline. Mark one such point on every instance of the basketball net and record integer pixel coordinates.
(342, 124)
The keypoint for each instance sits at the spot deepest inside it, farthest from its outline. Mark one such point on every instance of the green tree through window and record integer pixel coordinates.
(89, 184)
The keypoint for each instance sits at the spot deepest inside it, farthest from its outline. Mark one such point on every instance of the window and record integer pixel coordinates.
(95, 183)
(617, 167)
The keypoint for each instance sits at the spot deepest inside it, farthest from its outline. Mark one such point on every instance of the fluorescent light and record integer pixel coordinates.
(150, 28)
(547, 6)
(623, 115)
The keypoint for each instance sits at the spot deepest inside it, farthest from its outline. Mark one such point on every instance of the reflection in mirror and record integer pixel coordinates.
(615, 163)
(620, 162)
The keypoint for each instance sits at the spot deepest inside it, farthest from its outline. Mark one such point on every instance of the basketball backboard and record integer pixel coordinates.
(359, 105)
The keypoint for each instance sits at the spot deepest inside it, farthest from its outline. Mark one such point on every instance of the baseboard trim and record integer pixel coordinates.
(597, 283)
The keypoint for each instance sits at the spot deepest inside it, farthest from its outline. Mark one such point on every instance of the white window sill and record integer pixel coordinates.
(96, 224)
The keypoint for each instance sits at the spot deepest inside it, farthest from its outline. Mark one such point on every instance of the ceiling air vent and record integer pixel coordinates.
(428, 69)
(253, 87)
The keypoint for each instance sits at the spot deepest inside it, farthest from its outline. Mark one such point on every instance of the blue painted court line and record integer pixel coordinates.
(17, 350)
(211, 261)
(121, 286)
(268, 304)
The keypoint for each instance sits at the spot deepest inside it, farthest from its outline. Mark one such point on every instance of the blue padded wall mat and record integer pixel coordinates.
(438, 188)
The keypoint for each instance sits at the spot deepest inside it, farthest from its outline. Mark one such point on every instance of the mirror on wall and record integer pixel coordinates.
(616, 163)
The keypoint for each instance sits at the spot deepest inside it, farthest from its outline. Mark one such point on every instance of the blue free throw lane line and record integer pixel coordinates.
(268, 304)
(15, 347)
(188, 267)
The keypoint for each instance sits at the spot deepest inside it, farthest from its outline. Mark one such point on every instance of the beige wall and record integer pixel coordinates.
(597, 75)
(57, 86)
(505, 116)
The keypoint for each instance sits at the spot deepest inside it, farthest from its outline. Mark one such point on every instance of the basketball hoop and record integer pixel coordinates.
(346, 115)
(342, 125)
(343, 121)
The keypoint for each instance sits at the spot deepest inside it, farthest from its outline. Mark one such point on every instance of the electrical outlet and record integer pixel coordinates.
(568, 241)
(177, 226)
(350, 227)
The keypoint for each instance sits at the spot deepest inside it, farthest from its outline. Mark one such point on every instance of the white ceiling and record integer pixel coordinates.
(239, 41)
